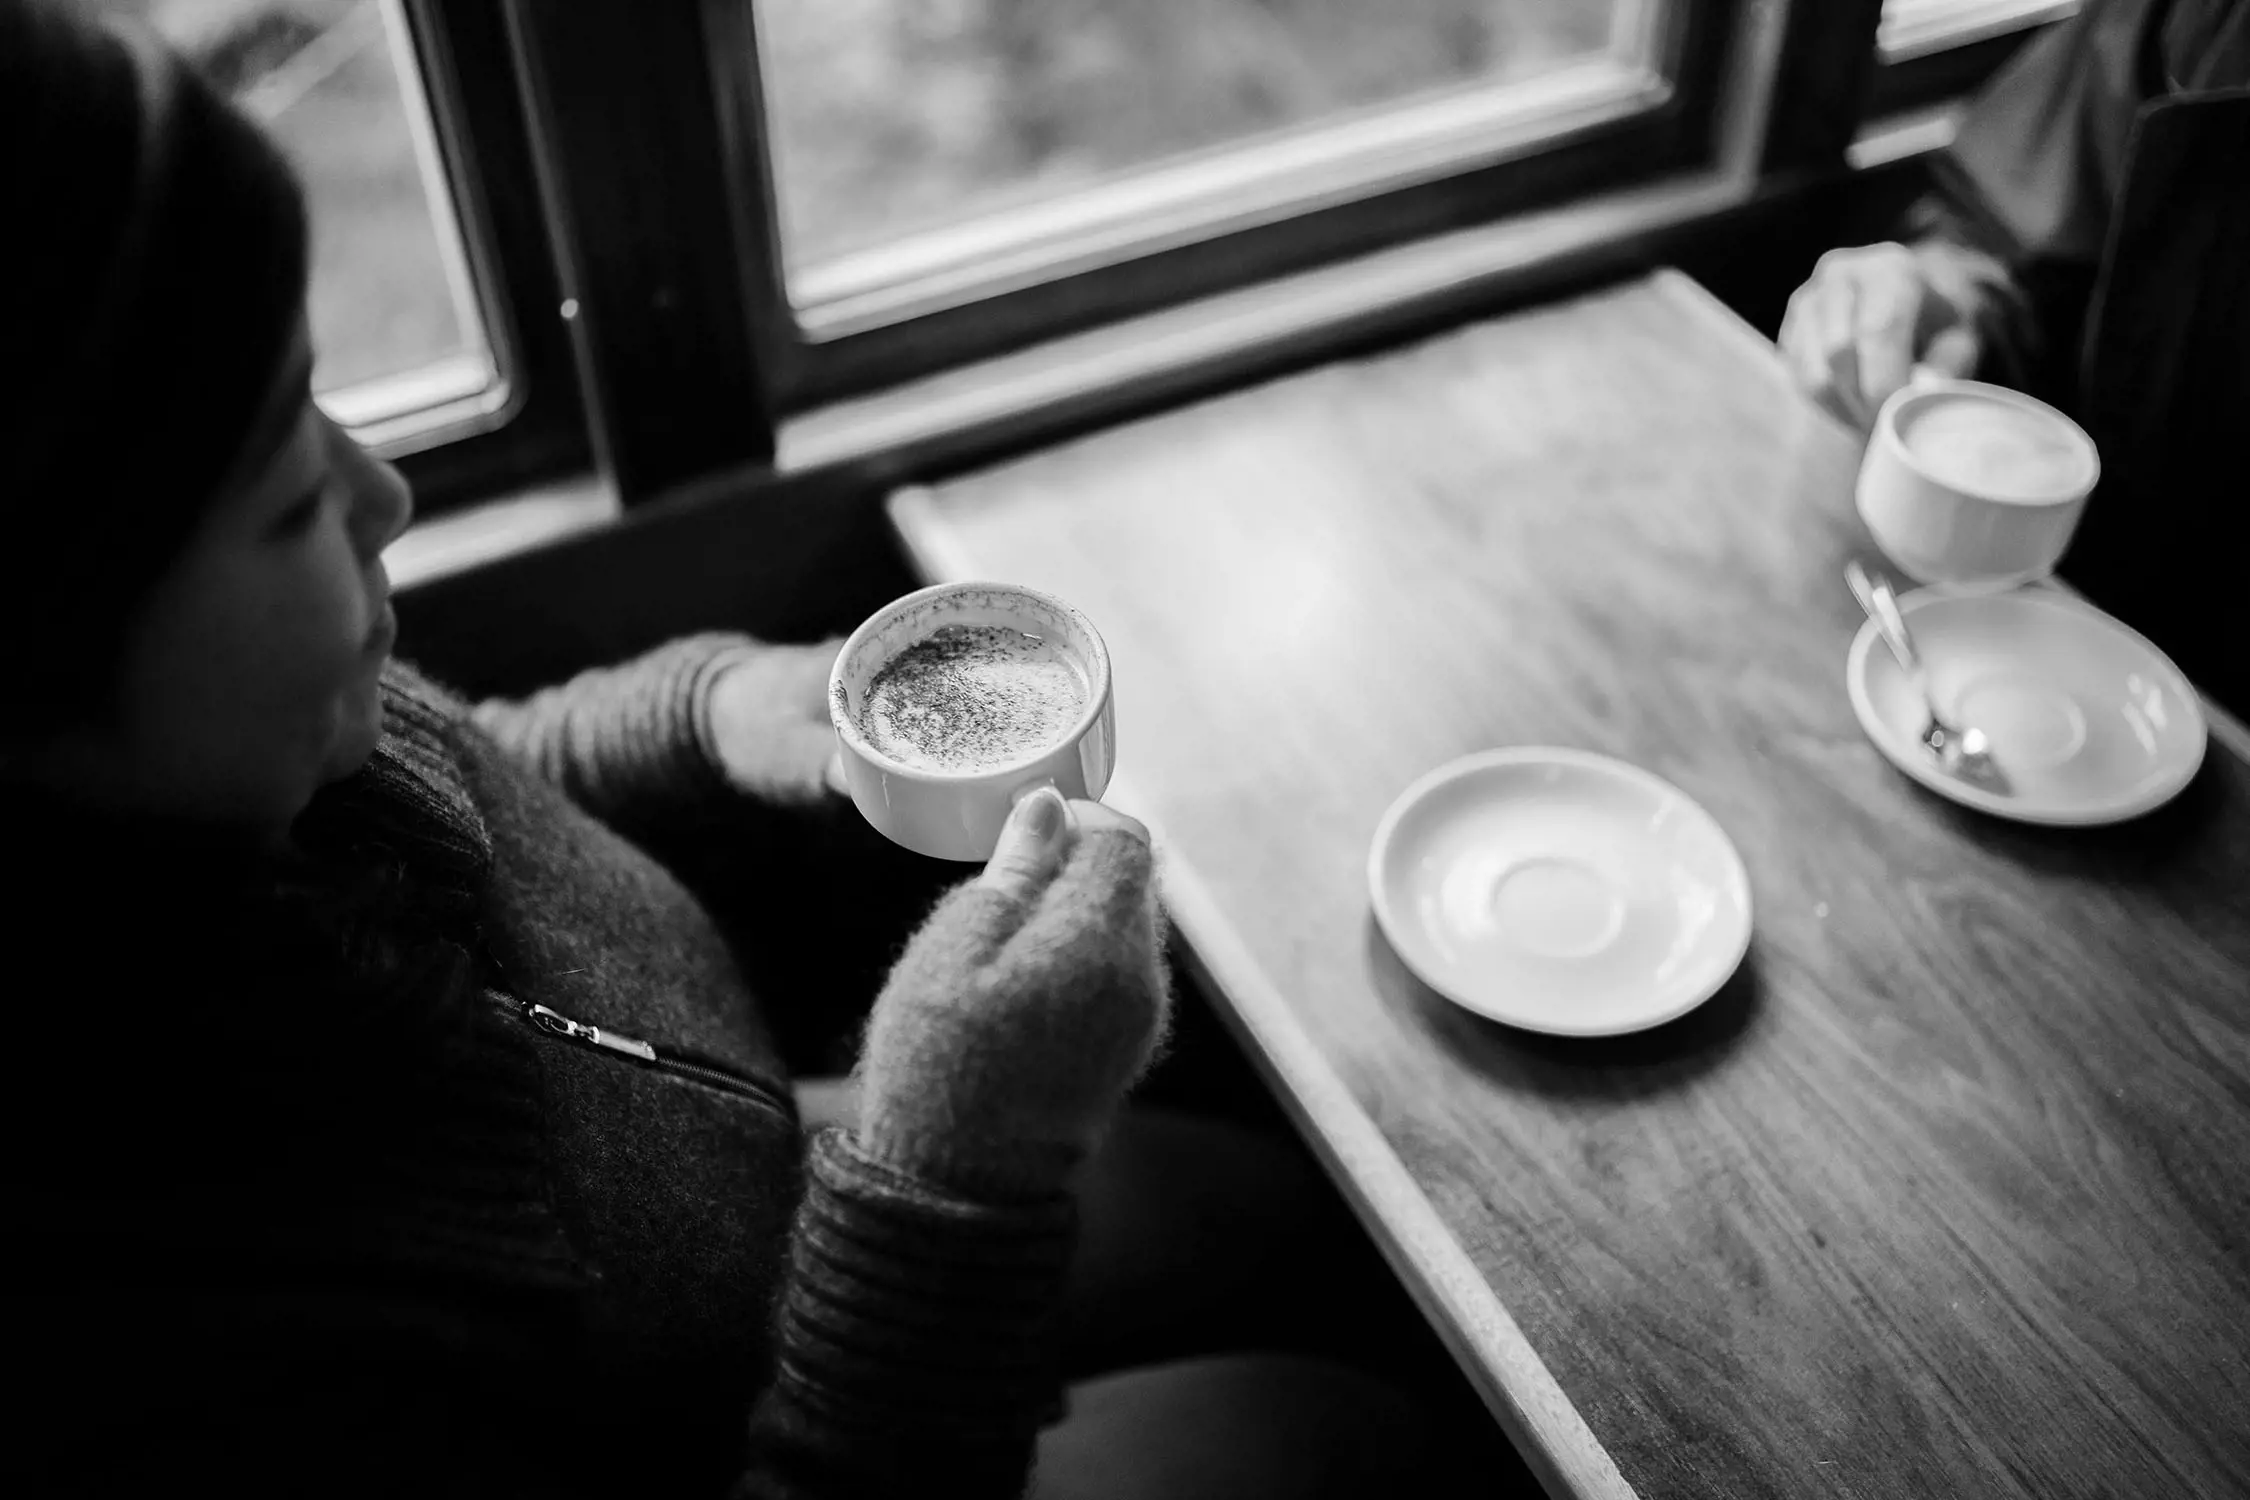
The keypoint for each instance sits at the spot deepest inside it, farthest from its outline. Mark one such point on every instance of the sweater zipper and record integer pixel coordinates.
(555, 1023)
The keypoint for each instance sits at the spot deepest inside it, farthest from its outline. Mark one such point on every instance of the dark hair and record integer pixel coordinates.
(155, 261)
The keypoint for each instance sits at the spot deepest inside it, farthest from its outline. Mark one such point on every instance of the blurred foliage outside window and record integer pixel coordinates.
(890, 116)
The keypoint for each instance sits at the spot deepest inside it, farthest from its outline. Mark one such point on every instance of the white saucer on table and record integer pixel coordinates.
(2088, 721)
(1559, 891)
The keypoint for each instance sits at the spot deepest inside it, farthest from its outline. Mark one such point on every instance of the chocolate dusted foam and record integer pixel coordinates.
(970, 696)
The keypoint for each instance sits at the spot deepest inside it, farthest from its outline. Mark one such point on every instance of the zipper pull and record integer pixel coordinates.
(593, 1036)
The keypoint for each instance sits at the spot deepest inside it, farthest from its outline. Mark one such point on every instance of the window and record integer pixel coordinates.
(1931, 51)
(725, 212)
(404, 123)
(660, 233)
(953, 178)
(399, 338)
(890, 117)
(1916, 28)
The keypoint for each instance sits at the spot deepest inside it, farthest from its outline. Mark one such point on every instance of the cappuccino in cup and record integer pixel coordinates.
(1974, 485)
(953, 702)
(1995, 449)
(970, 697)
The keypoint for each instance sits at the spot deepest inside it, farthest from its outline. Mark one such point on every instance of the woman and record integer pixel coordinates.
(411, 1130)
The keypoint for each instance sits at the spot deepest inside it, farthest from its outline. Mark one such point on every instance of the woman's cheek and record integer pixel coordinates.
(314, 637)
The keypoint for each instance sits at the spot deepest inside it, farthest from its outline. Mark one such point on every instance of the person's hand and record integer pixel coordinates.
(1023, 1009)
(770, 728)
(1867, 316)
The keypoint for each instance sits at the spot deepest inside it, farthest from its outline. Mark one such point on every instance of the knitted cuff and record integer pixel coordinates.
(983, 1167)
(676, 681)
(910, 1307)
(634, 739)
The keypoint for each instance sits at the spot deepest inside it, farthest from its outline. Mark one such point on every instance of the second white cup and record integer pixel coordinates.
(1974, 486)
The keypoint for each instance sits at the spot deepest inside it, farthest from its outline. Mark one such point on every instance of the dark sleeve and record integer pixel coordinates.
(2033, 173)
(629, 743)
(913, 1340)
(912, 1358)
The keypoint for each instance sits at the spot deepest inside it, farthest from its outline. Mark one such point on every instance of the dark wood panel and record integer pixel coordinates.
(477, 107)
(1752, 254)
(1943, 1194)
(784, 562)
(675, 281)
(1820, 83)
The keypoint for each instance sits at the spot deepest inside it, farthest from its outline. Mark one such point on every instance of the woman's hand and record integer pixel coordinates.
(1858, 326)
(770, 727)
(1010, 1029)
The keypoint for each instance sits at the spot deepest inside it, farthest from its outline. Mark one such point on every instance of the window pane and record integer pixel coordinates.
(892, 116)
(394, 315)
(1913, 27)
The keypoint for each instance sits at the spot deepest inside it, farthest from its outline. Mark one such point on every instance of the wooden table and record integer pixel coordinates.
(1946, 1193)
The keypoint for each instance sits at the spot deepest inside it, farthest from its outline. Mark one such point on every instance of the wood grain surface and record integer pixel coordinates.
(1946, 1193)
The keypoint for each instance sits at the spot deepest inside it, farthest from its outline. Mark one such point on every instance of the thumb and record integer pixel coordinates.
(1954, 352)
(1031, 848)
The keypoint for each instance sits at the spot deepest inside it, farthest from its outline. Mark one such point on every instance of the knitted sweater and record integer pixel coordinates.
(539, 1222)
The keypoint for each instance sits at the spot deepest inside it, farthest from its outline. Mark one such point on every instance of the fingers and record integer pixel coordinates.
(1816, 345)
(1048, 877)
(1835, 323)
(807, 693)
(791, 678)
(1848, 336)
(1884, 318)
(1112, 856)
(1107, 886)
(794, 679)
(963, 934)
(1954, 352)
(1097, 934)
(802, 767)
(1033, 843)
(1094, 817)
(979, 919)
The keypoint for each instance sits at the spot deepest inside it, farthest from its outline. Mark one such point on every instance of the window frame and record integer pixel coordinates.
(658, 233)
(460, 445)
(644, 150)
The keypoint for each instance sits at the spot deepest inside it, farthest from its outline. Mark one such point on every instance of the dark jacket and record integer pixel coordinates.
(491, 1184)
(2109, 167)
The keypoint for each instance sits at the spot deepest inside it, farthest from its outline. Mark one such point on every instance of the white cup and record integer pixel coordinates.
(1974, 486)
(951, 814)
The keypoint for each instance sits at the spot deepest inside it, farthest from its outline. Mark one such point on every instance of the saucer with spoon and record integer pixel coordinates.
(1991, 685)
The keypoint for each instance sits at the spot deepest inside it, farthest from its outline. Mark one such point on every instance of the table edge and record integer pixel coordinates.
(1483, 1336)
(1454, 1294)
